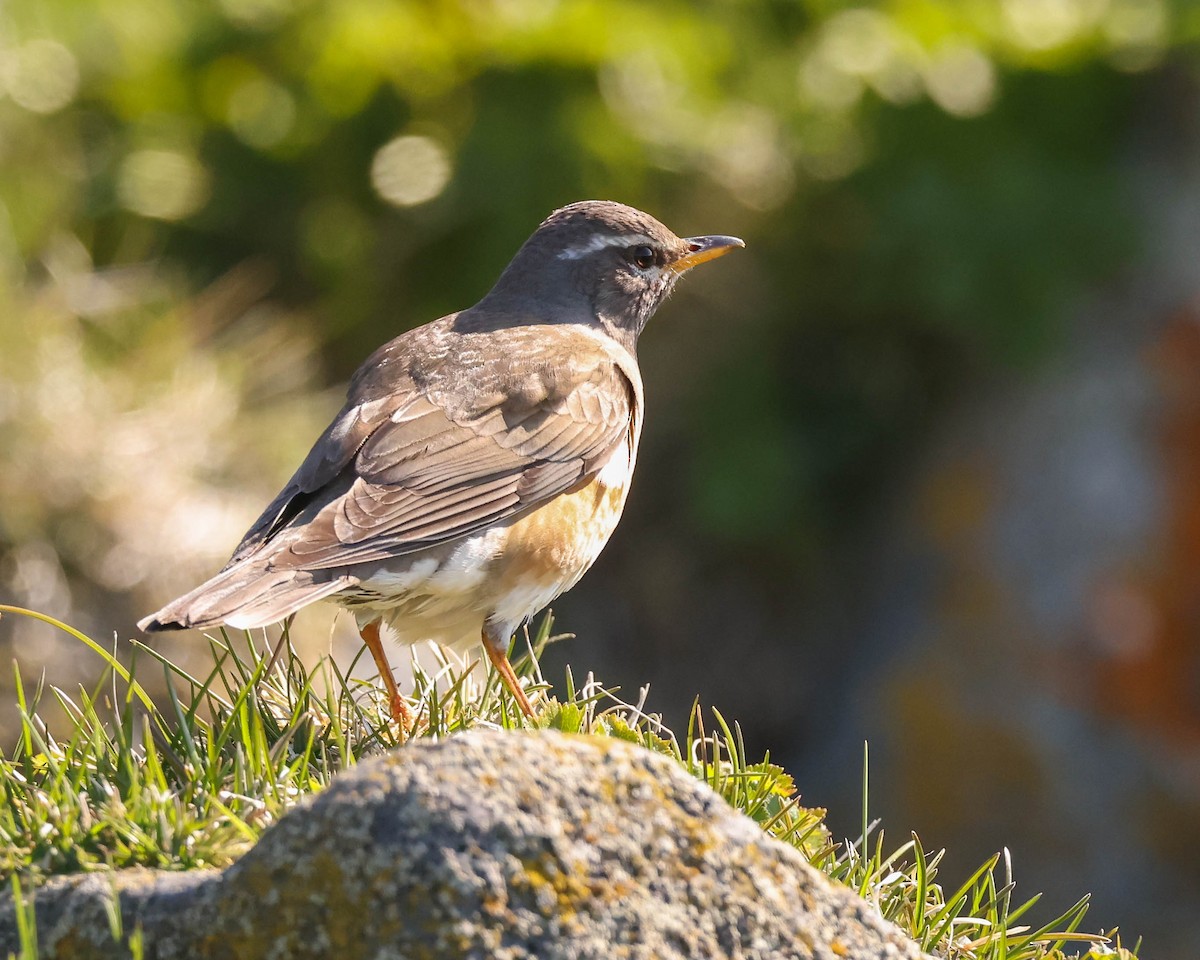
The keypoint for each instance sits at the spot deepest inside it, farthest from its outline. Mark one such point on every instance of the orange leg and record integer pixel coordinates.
(400, 712)
(497, 651)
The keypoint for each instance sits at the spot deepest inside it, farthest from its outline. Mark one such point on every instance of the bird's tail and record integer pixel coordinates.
(245, 596)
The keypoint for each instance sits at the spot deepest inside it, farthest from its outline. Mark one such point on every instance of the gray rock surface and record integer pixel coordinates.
(487, 845)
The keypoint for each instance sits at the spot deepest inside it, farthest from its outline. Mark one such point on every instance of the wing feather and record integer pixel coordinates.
(422, 455)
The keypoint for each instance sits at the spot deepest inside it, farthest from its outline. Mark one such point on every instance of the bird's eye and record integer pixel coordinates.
(643, 257)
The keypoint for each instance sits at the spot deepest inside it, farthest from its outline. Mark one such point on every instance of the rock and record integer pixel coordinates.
(487, 845)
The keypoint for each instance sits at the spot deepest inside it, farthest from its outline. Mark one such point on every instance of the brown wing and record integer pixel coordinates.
(447, 444)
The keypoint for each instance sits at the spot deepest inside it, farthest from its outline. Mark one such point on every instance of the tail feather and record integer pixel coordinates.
(245, 596)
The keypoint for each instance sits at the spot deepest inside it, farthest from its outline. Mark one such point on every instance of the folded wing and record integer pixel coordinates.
(425, 463)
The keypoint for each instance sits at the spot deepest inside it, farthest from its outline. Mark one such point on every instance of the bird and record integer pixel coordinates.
(481, 461)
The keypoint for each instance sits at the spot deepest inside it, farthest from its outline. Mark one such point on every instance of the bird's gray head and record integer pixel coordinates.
(601, 262)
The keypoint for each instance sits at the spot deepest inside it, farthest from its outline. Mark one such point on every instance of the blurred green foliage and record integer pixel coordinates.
(923, 183)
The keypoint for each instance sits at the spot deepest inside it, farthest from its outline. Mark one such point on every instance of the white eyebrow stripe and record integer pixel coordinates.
(600, 243)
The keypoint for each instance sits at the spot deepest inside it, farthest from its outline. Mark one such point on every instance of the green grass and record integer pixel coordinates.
(194, 781)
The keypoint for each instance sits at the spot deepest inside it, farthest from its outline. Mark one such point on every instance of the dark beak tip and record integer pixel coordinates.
(697, 244)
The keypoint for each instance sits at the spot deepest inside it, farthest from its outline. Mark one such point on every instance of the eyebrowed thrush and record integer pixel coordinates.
(481, 461)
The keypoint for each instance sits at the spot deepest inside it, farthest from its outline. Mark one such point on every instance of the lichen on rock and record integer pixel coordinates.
(486, 845)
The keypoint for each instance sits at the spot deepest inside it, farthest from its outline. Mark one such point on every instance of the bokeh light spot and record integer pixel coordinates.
(41, 75)
(961, 80)
(163, 184)
(410, 170)
(859, 41)
(826, 86)
(748, 159)
(1046, 24)
(261, 112)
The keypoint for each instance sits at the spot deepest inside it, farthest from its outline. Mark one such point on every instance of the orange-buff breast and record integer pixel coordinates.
(554, 545)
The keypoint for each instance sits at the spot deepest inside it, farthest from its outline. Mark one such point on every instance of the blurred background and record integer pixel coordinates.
(921, 465)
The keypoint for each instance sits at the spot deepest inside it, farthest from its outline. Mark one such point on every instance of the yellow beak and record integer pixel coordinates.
(703, 249)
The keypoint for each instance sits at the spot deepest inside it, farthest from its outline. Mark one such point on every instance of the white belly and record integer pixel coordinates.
(504, 574)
